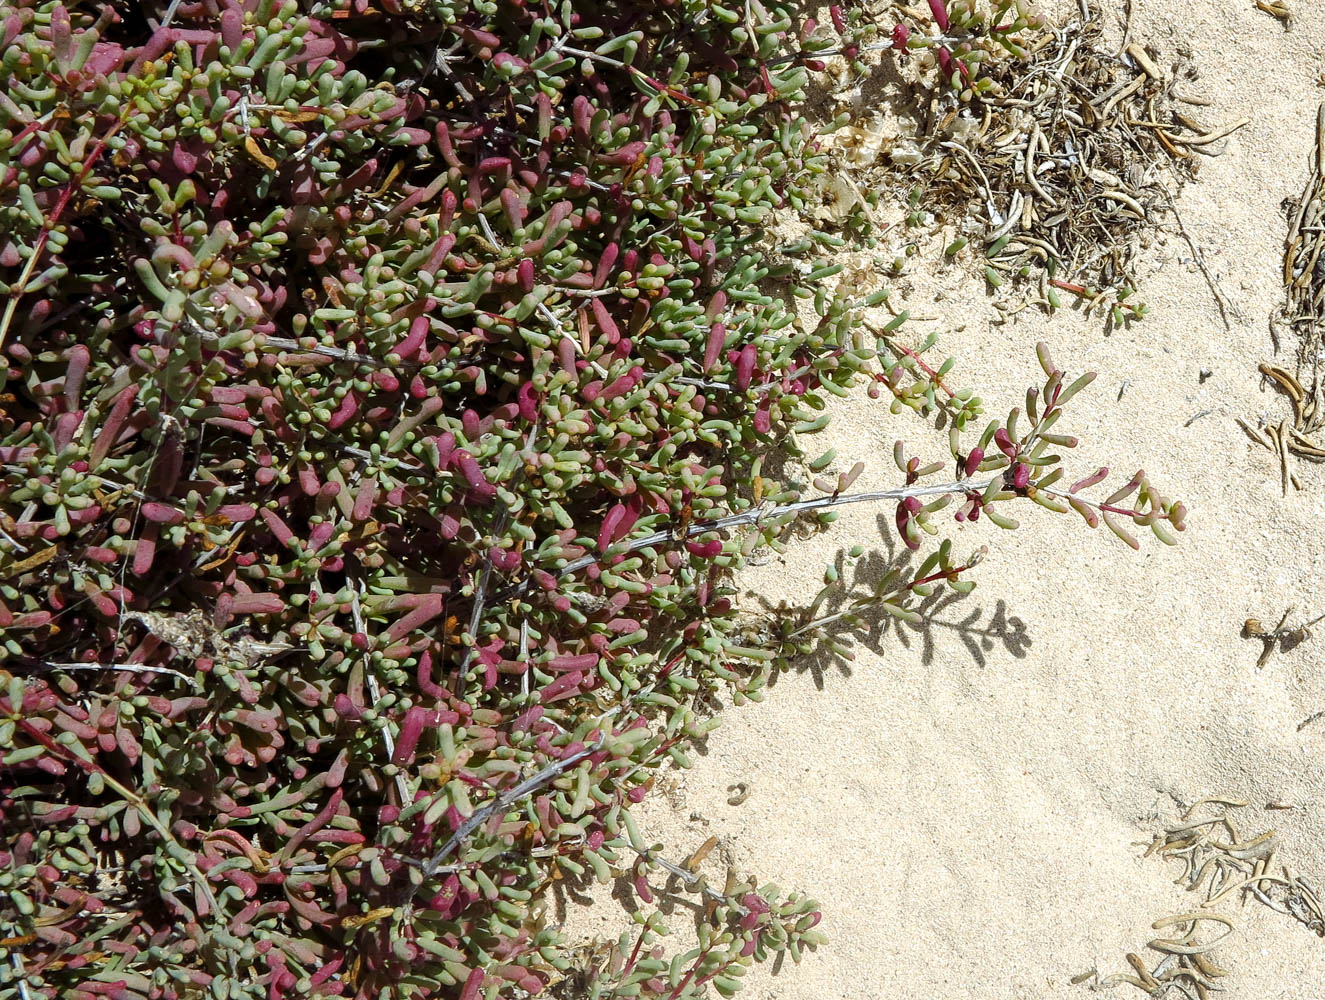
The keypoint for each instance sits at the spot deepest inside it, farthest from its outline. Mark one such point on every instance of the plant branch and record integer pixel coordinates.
(16, 292)
(179, 852)
(507, 798)
(759, 516)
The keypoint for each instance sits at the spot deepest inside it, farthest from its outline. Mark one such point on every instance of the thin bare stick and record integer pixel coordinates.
(524, 657)
(507, 798)
(758, 516)
(1314, 716)
(23, 992)
(169, 15)
(133, 668)
(688, 877)
(480, 600)
(19, 546)
(338, 353)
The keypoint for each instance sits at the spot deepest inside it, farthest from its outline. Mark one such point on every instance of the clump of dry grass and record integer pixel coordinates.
(1048, 151)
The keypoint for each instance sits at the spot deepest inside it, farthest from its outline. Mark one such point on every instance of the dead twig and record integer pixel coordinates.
(1051, 157)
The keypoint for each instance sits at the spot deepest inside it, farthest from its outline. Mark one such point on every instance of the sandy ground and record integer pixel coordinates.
(967, 797)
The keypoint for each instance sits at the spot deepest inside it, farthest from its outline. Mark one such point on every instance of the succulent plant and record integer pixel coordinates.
(376, 380)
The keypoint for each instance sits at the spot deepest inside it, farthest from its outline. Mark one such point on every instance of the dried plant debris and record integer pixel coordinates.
(1212, 850)
(1059, 153)
(1313, 717)
(1296, 897)
(1237, 864)
(1279, 637)
(1304, 278)
(1218, 862)
(1277, 9)
(1186, 970)
(1295, 437)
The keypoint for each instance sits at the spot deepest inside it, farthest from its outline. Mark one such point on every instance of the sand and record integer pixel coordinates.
(967, 797)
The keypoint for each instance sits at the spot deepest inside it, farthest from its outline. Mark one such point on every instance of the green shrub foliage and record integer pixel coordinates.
(375, 374)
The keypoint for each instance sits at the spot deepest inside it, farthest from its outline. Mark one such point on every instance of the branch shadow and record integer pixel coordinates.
(945, 611)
